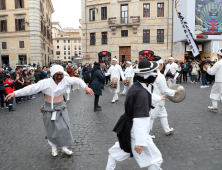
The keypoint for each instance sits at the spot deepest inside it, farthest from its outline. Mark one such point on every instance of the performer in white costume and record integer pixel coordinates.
(128, 73)
(115, 71)
(133, 127)
(173, 67)
(55, 115)
(160, 88)
(216, 91)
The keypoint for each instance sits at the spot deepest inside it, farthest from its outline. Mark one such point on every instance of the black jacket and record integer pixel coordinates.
(137, 105)
(37, 77)
(2, 87)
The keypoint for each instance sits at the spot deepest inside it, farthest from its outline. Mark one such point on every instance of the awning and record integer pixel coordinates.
(104, 53)
(146, 52)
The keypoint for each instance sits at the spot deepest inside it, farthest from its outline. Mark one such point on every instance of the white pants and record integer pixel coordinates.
(160, 111)
(150, 156)
(115, 96)
(216, 94)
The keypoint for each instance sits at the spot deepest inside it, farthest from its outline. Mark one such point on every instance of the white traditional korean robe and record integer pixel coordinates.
(128, 73)
(115, 71)
(161, 88)
(50, 88)
(173, 68)
(216, 91)
(140, 137)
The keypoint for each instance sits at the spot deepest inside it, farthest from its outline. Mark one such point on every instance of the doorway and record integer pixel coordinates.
(5, 59)
(124, 54)
(22, 59)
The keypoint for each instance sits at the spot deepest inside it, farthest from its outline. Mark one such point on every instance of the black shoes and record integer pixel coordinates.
(97, 109)
(12, 109)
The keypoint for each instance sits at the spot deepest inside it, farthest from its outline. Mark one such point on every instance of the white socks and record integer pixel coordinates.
(65, 148)
(54, 148)
(214, 103)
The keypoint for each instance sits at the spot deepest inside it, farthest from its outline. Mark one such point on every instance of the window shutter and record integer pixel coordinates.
(23, 5)
(6, 25)
(16, 24)
(23, 22)
(16, 4)
(3, 5)
(4, 45)
(21, 44)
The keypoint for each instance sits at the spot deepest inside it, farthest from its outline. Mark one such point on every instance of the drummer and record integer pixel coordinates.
(128, 74)
(160, 88)
(115, 71)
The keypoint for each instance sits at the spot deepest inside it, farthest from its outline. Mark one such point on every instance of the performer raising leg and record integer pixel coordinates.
(216, 91)
(160, 88)
(115, 71)
(128, 74)
(55, 115)
(133, 127)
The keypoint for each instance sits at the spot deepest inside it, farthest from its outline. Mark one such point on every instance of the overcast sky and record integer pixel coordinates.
(67, 12)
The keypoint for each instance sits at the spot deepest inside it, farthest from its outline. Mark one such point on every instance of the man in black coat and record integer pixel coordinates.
(133, 127)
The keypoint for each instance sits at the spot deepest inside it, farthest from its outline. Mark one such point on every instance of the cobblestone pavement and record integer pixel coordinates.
(196, 143)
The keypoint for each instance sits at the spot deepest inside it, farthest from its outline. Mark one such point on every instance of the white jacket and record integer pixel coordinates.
(217, 71)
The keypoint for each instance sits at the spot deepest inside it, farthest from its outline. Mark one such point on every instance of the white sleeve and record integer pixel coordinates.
(155, 98)
(140, 132)
(108, 72)
(177, 67)
(32, 89)
(78, 81)
(213, 70)
(164, 88)
(121, 73)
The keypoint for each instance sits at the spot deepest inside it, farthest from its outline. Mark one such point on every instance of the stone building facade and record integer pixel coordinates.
(123, 28)
(26, 32)
(67, 44)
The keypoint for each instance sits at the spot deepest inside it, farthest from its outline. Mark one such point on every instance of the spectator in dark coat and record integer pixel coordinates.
(96, 85)
(37, 75)
(44, 73)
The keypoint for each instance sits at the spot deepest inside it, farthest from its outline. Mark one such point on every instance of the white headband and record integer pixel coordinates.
(171, 58)
(146, 75)
(56, 68)
(114, 59)
(160, 61)
(128, 62)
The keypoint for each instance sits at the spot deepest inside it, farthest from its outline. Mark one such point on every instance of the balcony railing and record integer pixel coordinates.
(121, 21)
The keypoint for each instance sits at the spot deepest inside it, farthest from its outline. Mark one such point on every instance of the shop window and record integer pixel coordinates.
(3, 26)
(146, 36)
(104, 37)
(160, 10)
(160, 35)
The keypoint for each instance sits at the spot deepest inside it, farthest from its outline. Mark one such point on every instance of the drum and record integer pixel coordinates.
(128, 81)
(114, 82)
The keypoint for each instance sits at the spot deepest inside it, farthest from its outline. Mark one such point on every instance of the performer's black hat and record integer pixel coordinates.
(145, 66)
